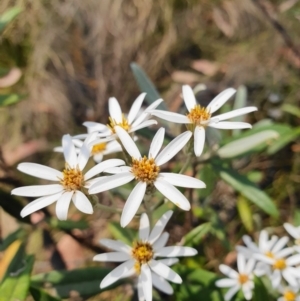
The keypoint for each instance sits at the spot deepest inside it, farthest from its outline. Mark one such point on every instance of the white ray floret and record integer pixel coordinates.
(135, 120)
(146, 170)
(241, 280)
(200, 117)
(72, 183)
(140, 259)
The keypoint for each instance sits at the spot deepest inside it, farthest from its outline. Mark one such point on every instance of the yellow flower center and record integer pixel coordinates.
(289, 296)
(98, 148)
(279, 264)
(142, 252)
(269, 254)
(198, 114)
(72, 178)
(145, 169)
(243, 278)
(123, 124)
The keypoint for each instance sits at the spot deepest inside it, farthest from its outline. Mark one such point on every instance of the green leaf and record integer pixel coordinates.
(294, 110)
(10, 99)
(124, 234)
(239, 102)
(245, 213)
(195, 236)
(12, 206)
(16, 284)
(84, 281)
(146, 85)
(8, 16)
(41, 295)
(296, 218)
(68, 224)
(244, 145)
(260, 292)
(248, 189)
(18, 234)
(283, 141)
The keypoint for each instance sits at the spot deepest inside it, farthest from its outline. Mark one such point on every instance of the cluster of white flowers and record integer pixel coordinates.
(270, 258)
(73, 184)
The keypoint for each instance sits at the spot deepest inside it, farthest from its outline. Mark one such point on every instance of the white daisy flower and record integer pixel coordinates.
(241, 280)
(140, 258)
(99, 148)
(200, 117)
(289, 294)
(280, 266)
(293, 231)
(132, 122)
(71, 182)
(146, 170)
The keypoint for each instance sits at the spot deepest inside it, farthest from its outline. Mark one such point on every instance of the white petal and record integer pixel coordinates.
(135, 108)
(199, 140)
(106, 183)
(250, 266)
(264, 258)
(293, 231)
(280, 244)
(156, 143)
(128, 143)
(114, 109)
(241, 263)
(40, 171)
(95, 126)
(227, 282)
(100, 167)
(115, 245)
(160, 226)
(220, 99)
(284, 252)
(144, 229)
(161, 241)
(168, 261)
(250, 244)
(230, 125)
(247, 291)
(173, 148)
(235, 113)
(290, 278)
(172, 194)
(82, 203)
(188, 97)
(170, 116)
(182, 180)
(228, 271)
(62, 205)
(231, 292)
(293, 260)
(123, 270)
(38, 190)
(98, 157)
(119, 169)
(161, 284)
(176, 251)
(133, 203)
(85, 151)
(141, 296)
(39, 204)
(113, 257)
(276, 278)
(69, 151)
(146, 279)
(262, 241)
(142, 125)
(164, 271)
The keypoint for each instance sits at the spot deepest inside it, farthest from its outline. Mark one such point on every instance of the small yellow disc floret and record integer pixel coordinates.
(142, 252)
(289, 296)
(72, 178)
(243, 278)
(198, 115)
(279, 264)
(123, 124)
(98, 148)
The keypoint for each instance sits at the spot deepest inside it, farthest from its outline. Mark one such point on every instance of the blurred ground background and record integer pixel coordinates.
(74, 55)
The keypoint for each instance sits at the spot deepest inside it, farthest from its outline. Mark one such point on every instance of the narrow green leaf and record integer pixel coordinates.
(124, 234)
(16, 284)
(84, 281)
(195, 236)
(41, 295)
(245, 213)
(18, 234)
(260, 292)
(244, 145)
(146, 85)
(8, 16)
(240, 101)
(294, 110)
(68, 224)
(9, 99)
(249, 190)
